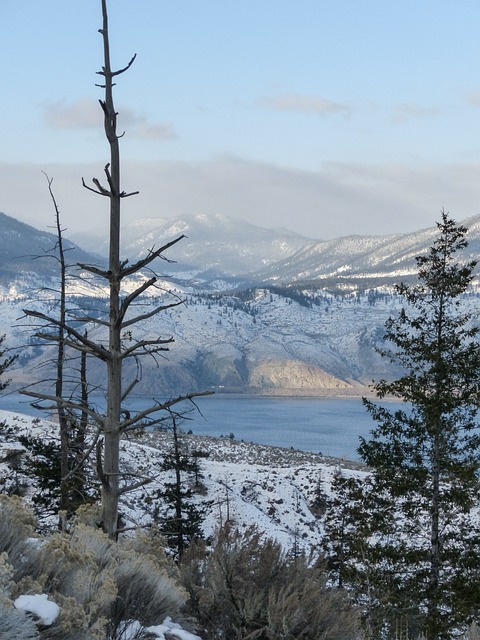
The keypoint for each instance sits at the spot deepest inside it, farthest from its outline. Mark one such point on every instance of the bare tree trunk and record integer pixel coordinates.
(62, 415)
(178, 491)
(111, 468)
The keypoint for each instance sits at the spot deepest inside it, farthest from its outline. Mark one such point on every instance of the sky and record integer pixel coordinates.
(326, 117)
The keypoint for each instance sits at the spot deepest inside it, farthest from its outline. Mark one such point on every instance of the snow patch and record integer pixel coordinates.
(39, 604)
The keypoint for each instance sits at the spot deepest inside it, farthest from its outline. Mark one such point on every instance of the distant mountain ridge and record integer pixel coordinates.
(218, 247)
(26, 252)
(225, 252)
(361, 262)
(214, 245)
(308, 322)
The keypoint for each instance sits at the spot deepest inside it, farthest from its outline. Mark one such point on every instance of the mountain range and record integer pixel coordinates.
(265, 310)
(217, 247)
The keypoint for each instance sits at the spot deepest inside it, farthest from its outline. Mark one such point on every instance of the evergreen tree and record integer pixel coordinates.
(360, 527)
(183, 521)
(425, 456)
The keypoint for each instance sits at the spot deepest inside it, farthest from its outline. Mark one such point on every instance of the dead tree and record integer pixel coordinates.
(112, 423)
(71, 427)
(62, 414)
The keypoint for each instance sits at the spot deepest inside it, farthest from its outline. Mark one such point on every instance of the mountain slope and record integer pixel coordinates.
(360, 261)
(272, 488)
(214, 246)
(222, 252)
(27, 253)
(317, 334)
(265, 342)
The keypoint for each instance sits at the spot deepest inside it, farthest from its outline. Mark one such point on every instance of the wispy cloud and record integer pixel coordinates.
(87, 114)
(335, 200)
(473, 98)
(82, 114)
(139, 126)
(306, 104)
(403, 113)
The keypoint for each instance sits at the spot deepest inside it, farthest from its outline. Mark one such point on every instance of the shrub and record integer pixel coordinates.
(16, 625)
(247, 587)
(16, 528)
(99, 584)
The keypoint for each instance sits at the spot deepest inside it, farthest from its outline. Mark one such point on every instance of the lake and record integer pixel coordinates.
(330, 426)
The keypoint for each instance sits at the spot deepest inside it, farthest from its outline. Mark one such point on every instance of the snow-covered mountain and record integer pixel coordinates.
(307, 324)
(214, 245)
(266, 341)
(27, 255)
(360, 262)
(221, 249)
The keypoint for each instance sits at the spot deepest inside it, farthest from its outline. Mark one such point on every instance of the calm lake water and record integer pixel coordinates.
(330, 426)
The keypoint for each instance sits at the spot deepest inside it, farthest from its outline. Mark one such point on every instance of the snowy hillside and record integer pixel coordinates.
(275, 489)
(213, 246)
(307, 323)
(221, 248)
(269, 341)
(261, 341)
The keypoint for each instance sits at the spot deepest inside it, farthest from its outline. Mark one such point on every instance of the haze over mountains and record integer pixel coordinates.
(217, 247)
(221, 247)
(266, 310)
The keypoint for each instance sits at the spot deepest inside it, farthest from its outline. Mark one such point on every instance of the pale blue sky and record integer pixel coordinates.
(326, 117)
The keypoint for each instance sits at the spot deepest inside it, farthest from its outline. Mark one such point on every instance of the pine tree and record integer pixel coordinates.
(359, 536)
(425, 456)
(183, 522)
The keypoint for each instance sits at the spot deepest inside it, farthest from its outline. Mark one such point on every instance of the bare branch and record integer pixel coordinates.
(143, 345)
(130, 298)
(100, 192)
(99, 351)
(136, 485)
(150, 314)
(112, 74)
(91, 346)
(124, 194)
(84, 319)
(130, 388)
(151, 257)
(101, 188)
(84, 458)
(99, 272)
(68, 404)
(162, 406)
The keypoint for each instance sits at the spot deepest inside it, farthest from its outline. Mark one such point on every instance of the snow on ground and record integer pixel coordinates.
(270, 488)
(167, 629)
(39, 604)
(248, 484)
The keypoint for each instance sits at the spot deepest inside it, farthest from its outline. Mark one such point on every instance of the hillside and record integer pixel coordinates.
(272, 488)
(223, 252)
(27, 254)
(262, 342)
(214, 246)
(317, 333)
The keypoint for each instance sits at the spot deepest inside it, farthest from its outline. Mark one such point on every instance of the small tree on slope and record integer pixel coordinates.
(425, 457)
